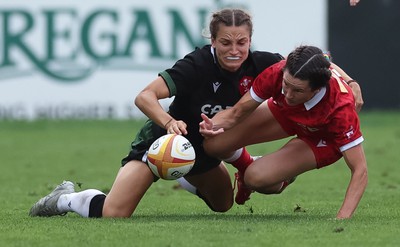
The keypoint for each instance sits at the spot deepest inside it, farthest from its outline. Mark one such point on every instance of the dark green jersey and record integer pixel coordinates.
(199, 85)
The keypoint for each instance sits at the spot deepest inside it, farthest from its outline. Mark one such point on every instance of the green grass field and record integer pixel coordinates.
(36, 156)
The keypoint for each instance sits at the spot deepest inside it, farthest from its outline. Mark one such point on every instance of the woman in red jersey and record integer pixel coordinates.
(303, 97)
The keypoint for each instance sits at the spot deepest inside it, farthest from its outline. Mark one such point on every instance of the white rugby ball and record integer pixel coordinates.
(171, 156)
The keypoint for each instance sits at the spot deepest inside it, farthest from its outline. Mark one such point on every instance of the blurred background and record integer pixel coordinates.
(365, 41)
(88, 59)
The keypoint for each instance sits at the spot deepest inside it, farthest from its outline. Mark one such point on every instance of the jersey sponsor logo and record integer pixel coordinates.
(211, 110)
(216, 86)
(307, 128)
(245, 84)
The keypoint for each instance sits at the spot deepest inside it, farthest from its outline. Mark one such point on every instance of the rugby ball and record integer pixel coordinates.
(171, 156)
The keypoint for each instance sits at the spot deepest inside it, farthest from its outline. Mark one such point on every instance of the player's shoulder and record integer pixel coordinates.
(340, 94)
(198, 58)
(339, 86)
(265, 58)
(200, 53)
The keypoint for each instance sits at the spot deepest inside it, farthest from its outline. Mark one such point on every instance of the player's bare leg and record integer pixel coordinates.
(267, 174)
(131, 183)
(215, 187)
(264, 129)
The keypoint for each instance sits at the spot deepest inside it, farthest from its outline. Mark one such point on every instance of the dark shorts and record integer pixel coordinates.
(151, 132)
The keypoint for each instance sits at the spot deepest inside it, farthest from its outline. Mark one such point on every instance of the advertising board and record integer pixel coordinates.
(89, 59)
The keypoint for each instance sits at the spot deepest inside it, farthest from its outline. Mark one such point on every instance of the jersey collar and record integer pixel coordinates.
(314, 100)
(213, 53)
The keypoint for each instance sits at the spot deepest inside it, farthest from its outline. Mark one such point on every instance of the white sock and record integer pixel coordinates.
(186, 185)
(78, 202)
(235, 156)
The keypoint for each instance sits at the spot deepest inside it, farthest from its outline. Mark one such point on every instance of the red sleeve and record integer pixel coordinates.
(268, 82)
(346, 129)
(345, 124)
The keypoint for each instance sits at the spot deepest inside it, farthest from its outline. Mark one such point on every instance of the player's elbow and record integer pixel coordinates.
(364, 175)
(145, 99)
(361, 175)
(139, 99)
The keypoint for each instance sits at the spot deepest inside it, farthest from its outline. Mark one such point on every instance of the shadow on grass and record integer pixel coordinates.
(225, 217)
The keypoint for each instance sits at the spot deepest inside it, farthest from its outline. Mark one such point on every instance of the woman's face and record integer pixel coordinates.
(232, 46)
(296, 91)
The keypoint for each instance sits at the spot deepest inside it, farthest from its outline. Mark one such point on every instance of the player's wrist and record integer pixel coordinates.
(351, 81)
(168, 122)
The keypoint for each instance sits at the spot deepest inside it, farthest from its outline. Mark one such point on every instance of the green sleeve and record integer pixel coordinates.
(170, 83)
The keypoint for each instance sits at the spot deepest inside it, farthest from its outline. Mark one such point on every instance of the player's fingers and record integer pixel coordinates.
(183, 130)
(177, 127)
(206, 134)
(206, 119)
(359, 103)
(206, 123)
(210, 133)
(358, 107)
(219, 131)
(174, 130)
(202, 125)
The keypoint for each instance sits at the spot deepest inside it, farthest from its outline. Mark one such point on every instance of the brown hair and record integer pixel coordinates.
(230, 17)
(309, 63)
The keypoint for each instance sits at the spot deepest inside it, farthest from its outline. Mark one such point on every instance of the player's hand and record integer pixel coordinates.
(207, 127)
(176, 127)
(359, 101)
(354, 2)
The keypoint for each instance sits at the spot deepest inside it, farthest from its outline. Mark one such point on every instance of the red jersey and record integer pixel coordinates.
(329, 118)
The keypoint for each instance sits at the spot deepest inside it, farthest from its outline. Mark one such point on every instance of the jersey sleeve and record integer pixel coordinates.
(345, 123)
(346, 128)
(268, 83)
(183, 75)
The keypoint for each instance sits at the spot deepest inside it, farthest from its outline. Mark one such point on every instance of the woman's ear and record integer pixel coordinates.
(213, 42)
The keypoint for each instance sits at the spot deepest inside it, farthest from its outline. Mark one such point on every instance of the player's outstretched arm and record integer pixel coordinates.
(228, 118)
(148, 102)
(355, 160)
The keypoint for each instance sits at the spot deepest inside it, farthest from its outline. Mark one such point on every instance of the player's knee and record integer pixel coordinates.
(222, 207)
(260, 183)
(214, 149)
(254, 180)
